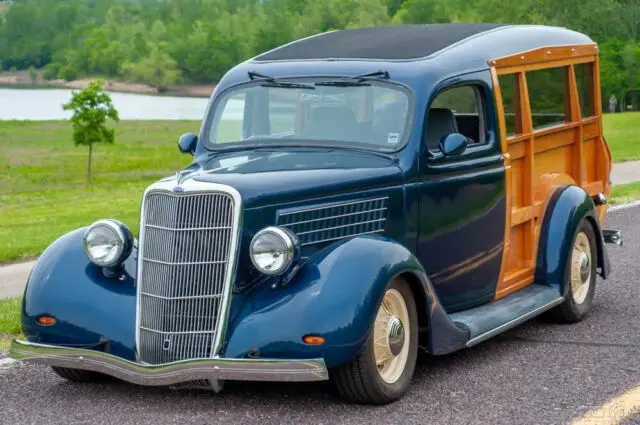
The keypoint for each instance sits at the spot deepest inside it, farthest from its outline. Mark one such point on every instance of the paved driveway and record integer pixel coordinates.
(536, 374)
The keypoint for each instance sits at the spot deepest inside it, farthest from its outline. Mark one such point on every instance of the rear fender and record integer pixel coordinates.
(568, 206)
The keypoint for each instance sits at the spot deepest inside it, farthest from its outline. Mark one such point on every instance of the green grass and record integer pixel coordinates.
(44, 191)
(9, 321)
(622, 132)
(624, 193)
(43, 187)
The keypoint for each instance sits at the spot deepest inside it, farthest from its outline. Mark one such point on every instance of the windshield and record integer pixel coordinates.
(367, 115)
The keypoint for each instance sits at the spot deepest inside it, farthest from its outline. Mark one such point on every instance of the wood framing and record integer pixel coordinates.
(539, 159)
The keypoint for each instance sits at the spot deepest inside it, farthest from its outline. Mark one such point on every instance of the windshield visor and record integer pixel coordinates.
(368, 116)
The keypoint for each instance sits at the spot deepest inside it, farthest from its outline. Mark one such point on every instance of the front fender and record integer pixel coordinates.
(567, 207)
(336, 295)
(89, 308)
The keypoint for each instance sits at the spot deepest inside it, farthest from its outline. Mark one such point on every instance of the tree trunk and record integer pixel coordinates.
(89, 164)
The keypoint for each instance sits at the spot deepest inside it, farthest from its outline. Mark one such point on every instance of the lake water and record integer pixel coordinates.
(46, 104)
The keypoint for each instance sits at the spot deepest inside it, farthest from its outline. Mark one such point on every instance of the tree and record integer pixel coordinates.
(157, 69)
(91, 108)
(33, 75)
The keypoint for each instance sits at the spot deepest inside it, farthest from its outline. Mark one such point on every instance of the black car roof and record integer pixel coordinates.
(410, 42)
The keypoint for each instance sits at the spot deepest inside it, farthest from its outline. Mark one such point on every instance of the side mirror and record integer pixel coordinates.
(187, 143)
(453, 144)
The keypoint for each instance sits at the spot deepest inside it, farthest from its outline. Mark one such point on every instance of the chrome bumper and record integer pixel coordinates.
(219, 369)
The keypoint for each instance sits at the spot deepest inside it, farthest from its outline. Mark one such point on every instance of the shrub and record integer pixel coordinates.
(51, 71)
(67, 73)
(33, 75)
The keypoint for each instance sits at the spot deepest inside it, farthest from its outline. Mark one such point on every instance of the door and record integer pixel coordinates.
(462, 206)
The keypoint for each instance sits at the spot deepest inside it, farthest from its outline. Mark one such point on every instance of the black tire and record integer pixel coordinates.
(359, 380)
(78, 375)
(571, 311)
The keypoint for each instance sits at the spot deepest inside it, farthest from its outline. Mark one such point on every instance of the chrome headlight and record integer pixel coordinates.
(273, 250)
(108, 243)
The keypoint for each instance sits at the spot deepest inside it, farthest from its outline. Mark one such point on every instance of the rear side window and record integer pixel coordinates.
(511, 103)
(548, 97)
(584, 79)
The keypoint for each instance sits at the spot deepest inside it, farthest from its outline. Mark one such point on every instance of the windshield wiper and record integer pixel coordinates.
(274, 82)
(358, 80)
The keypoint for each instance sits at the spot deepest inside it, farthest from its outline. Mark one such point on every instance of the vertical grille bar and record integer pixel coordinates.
(185, 254)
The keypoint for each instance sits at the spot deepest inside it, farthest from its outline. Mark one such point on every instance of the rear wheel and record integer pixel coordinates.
(78, 375)
(580, 277)
(382, 372)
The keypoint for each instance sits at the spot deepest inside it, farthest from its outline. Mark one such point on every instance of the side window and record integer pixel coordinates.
(511, 103)
(584, 79)
(456, 110)
(548, 97)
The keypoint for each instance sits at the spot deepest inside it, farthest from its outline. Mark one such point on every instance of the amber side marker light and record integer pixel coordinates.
(46, 320)
(313, 339)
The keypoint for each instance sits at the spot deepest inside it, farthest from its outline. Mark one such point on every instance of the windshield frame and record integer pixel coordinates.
(328, 144)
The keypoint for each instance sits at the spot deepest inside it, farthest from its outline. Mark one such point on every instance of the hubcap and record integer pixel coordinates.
(581, 268)
(396, 335)
(391, 330)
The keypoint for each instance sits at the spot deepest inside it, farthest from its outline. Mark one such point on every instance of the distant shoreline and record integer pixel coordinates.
(22, 80)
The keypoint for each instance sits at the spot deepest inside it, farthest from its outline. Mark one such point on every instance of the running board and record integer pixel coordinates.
(488, 320)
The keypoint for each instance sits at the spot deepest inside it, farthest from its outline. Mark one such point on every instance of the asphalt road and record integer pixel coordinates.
(538, 373)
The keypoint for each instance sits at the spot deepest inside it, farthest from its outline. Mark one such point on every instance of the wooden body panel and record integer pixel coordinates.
(538, 160)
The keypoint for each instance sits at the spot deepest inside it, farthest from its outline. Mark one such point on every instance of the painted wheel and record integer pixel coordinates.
(580, 277)
(382, 372)
(78, 375)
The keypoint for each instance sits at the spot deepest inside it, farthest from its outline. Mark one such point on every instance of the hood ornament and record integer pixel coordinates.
(181, 176)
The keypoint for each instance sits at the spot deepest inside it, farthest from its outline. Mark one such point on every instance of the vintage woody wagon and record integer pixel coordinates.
(353, 196)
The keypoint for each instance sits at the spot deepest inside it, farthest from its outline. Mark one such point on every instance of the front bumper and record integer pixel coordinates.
(217, 369)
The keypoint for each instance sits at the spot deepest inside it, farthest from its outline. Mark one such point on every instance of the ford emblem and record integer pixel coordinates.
(178, 189)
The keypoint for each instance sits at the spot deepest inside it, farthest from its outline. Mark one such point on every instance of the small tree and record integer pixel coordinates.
(91, 108)
(33, 75)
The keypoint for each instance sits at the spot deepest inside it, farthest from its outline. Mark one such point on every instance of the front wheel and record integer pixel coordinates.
(382, 372)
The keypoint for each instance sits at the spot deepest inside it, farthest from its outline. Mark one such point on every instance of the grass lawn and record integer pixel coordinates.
(624, 193)
(43, 187)
(9, 321)
(622, 132)
(44, 192)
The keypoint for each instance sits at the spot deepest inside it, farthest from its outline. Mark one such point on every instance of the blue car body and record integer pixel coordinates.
(337, 286)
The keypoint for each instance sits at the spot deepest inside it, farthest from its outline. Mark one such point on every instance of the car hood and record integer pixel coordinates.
(286, 175)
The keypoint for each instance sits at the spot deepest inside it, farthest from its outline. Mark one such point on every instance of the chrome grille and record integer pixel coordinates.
(185, 244)
(332, 222)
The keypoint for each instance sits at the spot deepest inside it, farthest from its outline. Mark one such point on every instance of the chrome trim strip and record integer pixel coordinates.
(342, 237)
(515, 322)
(341, 227)
(187, 263)
(171, 373)
(188, 228)
(179, 298)
(337, 216)
(333, 206)
(156, 331)
(191, 186)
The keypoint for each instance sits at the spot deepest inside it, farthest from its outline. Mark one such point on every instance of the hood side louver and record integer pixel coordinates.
(314, 225)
